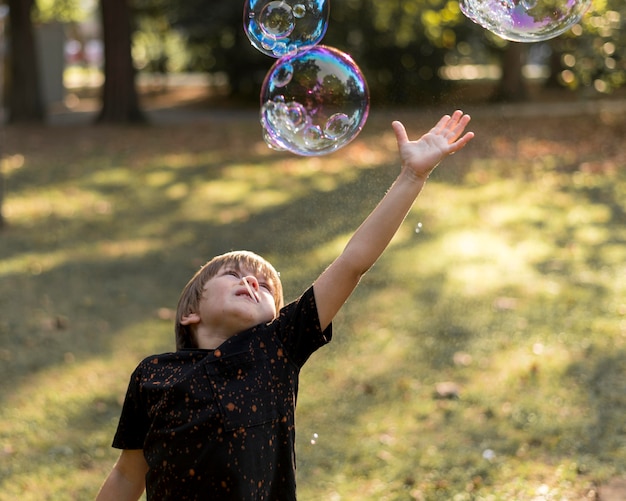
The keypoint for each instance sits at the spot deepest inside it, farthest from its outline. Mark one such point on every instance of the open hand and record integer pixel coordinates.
(444, 139)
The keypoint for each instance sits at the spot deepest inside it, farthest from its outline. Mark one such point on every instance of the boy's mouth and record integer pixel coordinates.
(246, 294)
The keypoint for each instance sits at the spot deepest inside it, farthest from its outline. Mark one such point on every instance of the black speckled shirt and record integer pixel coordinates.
(219, 425)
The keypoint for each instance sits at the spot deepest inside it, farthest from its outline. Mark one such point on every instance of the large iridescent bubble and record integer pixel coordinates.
(281, 27)
(525, 20)
(313, 102)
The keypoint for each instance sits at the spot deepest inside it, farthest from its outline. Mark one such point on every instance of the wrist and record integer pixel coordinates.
(414, 177)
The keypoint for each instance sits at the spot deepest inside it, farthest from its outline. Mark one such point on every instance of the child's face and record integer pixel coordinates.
(228, 304)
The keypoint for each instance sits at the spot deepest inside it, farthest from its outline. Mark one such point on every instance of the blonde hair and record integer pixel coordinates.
(191, 295)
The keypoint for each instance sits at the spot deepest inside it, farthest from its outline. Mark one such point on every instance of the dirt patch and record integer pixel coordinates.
(614, 490)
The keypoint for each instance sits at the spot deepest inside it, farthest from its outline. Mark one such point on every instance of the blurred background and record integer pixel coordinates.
(417, 51)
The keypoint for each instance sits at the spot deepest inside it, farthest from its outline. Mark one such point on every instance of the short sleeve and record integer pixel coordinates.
(134, 421)
(300, 330)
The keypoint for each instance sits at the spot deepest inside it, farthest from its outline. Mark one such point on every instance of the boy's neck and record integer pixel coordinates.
(210, 341)
(209, 344)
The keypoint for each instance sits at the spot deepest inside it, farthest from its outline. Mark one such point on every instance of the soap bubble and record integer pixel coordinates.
(282, 27)
(525, 20)
(313, 102)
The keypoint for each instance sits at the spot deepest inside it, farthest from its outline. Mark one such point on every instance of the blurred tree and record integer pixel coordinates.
(591, 56)
(586, 58)
(23, 95)
(1, 191)
(217, 43)
(120, 100)
(400, 45)
(512, 85)
(64, 11)
(480, 46)
(1, 199)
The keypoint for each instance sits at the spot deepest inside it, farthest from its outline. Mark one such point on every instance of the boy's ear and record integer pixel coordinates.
(190, 319)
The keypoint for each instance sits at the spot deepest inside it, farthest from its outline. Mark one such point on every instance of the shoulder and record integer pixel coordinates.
(157, 359)
(172, 359)
(305, 302)
(298, 328)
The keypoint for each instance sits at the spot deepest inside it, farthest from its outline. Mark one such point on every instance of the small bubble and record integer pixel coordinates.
(277, 20)
(299, 11)
(313, 135)
(283, 75)
(278, 27)
(418, 227)
(337, 126)
(314, 438)
(297, 115)
(269, 44)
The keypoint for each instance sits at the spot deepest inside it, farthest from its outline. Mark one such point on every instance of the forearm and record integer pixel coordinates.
(117, 487)
(375, 233)
(418, 159)
(126, 482)
(369, 241)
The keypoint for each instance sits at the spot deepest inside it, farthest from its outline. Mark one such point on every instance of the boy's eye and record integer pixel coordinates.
(266, 286)
(232, 273)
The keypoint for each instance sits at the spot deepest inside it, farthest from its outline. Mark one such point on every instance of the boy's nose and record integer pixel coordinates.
(252, 281)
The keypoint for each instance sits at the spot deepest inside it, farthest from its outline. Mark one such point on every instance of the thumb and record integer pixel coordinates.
(400, 132)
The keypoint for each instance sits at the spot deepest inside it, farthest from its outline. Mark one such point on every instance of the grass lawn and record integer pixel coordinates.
(507, 282)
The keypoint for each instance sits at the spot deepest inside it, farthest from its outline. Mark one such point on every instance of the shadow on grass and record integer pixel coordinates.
(602, 373)
(102, 282)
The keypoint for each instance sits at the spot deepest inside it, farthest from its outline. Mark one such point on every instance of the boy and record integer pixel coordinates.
(215, 419)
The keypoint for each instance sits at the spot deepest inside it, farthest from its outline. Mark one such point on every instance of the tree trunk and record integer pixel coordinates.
(512, 86)
(1, 199)
(554, 63)
(23, 96)
(120, 102)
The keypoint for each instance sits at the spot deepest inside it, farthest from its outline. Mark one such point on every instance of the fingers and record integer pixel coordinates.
(460, 143)
(442, 125)
(452, 126)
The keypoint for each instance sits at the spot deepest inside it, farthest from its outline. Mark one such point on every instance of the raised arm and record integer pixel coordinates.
(126, 482)
(418, 160)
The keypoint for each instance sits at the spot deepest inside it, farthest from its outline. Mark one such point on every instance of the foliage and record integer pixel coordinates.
(399, 45)
(214, 38)
(64, 11)
(592, 56)
(507, 280)
(157, 48)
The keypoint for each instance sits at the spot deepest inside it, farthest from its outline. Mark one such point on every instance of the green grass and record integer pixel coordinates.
(514, 289)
